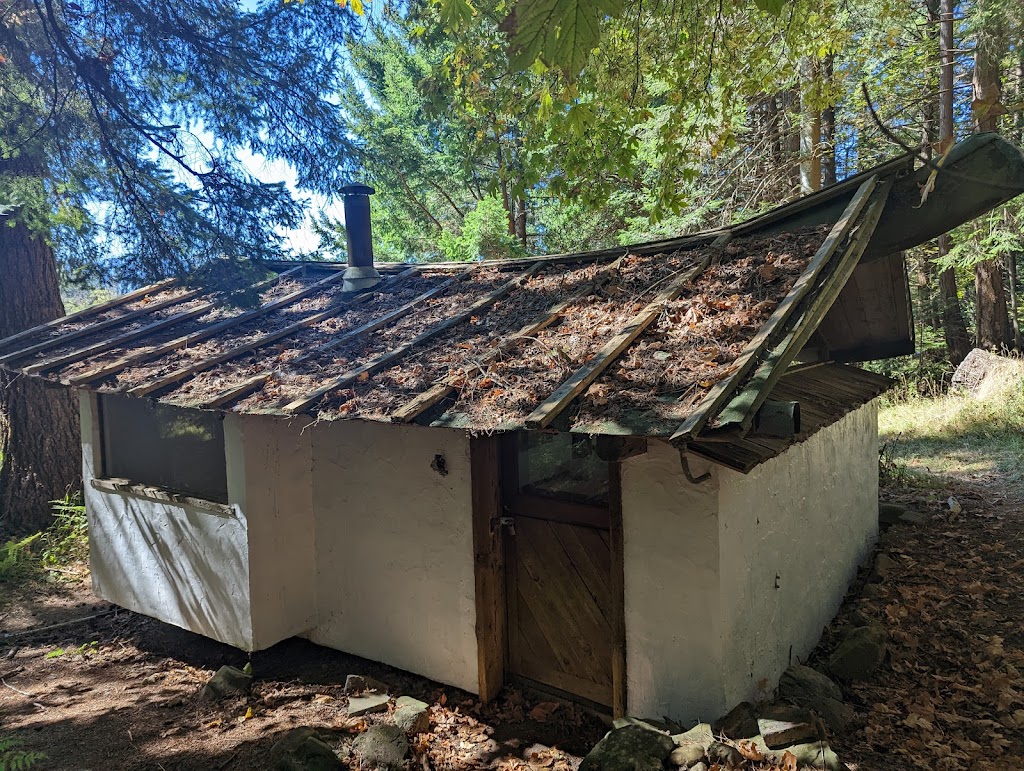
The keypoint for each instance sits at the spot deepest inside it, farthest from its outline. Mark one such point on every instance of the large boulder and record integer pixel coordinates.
(631, 748)
(982, 373)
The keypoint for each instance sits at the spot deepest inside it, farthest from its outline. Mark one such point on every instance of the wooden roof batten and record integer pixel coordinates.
(209, 362)
(305, 402)
(449, 384)
(94, 310)
(716, 398)
(740, 412)
(147, 329)
(546, 412)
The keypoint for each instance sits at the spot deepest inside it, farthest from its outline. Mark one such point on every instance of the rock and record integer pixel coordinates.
(782, 725)
(381, 747)
(228, 681)
(367, 705)
(411, 715)
(699, 767)
(724, 755)
(981, 373)
(889, 513)
(632, 748)
(687, 755)
(808, 688)
(883, 566)
(302, 749)
(360, 683)
(816, 755)
(699, 734)
(740, 723)
(913, 518)
(622, 722)
(859, 655)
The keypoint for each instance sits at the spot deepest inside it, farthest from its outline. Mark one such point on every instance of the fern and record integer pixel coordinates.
(13, 758)
(13, 557)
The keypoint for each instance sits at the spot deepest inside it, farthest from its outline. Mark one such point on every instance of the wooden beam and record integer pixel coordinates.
(488, 565)
(581, 379)
(249, 385)
(115, 342)
(239, 350)
(59, 340)
(94, 310)
(618, 587)
(374, 365)
(720, 392)
(742, 408)
(440, 390)
(207, 332)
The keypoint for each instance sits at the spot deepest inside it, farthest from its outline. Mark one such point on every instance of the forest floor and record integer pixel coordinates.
(118, 690)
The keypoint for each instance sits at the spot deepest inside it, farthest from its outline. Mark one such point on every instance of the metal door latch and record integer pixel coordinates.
(508, 522)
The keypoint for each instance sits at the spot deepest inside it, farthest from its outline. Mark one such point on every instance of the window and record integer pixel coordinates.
(561, 466)
(174, 448)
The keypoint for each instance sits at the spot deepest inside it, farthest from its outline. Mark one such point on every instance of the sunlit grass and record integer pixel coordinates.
(959, 434)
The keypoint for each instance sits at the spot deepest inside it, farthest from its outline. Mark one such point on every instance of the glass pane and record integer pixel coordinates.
(562, 466)
(178, 449)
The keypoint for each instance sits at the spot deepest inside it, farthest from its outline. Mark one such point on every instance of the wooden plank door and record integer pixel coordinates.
(564, 619)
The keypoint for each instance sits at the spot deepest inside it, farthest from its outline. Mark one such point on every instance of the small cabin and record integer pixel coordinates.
(642, 477)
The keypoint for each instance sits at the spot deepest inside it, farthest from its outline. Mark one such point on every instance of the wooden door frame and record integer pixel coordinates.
(492, 634)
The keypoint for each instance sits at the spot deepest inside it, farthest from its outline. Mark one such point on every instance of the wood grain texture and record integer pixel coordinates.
(489, 566)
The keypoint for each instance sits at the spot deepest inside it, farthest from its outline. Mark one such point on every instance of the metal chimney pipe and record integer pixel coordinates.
(360, 273)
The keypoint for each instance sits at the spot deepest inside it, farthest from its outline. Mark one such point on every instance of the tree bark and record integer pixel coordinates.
(954, 328)
(810, 127)
(39, 439)
(993, 318)
(828, 127)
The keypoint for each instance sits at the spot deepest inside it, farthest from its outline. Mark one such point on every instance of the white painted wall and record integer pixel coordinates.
(705, 626)
(185, 566)
(395, 547)
(671, 571)
(802, 522)
(270, 465)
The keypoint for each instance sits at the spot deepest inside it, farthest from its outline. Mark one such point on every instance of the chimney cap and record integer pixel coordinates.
(357, 190)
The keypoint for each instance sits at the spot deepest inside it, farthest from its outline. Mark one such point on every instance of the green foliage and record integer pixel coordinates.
(14, 758)
(561, 33)
(64, 543)
(484, 235)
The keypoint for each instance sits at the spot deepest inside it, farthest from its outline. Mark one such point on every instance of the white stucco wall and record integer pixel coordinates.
(395, 547)
(183, 565)
(671, 565)
(270, 465)
(792, 533)
(706, 626)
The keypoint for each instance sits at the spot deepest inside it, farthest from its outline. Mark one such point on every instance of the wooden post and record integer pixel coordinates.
(488, 565)
(619, 703)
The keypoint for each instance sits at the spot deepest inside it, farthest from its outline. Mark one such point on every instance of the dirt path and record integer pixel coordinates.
(117, 691)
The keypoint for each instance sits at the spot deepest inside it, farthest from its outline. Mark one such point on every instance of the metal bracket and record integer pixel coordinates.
(685, 463)
(508, 522)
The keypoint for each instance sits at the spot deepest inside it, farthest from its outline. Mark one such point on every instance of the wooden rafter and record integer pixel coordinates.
(581, 379)
(742, 408)
(232, 353)
(247, 386)
(440, 390)
(720, 392)
(305, 402)
(115, 342)
(94, 310)
(59, 340)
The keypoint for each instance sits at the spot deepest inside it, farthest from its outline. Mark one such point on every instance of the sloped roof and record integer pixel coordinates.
(683, 339)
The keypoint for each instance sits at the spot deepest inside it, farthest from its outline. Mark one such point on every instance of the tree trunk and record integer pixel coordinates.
(954, 328)
(39, 440)
(828, 127)
(810, 127)
(993, 319)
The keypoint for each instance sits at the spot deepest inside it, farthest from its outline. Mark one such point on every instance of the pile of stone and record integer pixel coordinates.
(792, 731)
(383, 745)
